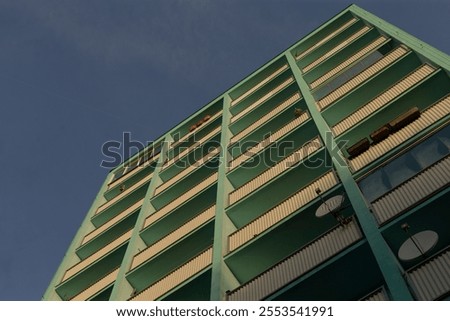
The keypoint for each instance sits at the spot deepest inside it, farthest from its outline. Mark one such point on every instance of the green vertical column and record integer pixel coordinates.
(122, 289)
(222, 278)
(71, 258)
(386, 260)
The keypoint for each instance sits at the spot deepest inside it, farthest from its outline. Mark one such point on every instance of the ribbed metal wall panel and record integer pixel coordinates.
(98, 286)
(186, 196)
(111, 222)
(124, 194)
(280, 211)
(298, 264)
(171, 238)
(297, 156)
(432, 279)
(191, 148)
(396, 90)
(379, 295)
(341, 45)
(97, 255)
(331, 35)
(412, 191)
(269, 94)
(274, 137)
(175, 278)
(266, 118)
(189, 134)
(131, 173)
(372, 46)
(427, 118)
(187, 171)
(259, 85)
(362, 76)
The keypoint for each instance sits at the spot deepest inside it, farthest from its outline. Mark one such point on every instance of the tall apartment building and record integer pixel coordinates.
(324, 175)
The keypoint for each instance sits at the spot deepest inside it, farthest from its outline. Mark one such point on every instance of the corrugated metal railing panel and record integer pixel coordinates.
(191, 148)
(269, 94)
(372, 46)
(98, 286)
(187, 135)
(174, 236)
(187, 171)
(111, 222)
(331, 35)
(134, 171)
(412, 191)
(266, 118)
(432, 279)
(379, 295)
(281, 211)
(427, 118)
(259, 85)
(264, 143)
(298, 264)
(383, 99)
(362, 76)
(330, 53)
(186, 196)
(97, 255)
(297, 156)
(175, 278)
(124, 194)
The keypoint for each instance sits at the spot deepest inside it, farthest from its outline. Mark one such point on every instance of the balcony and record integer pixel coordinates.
(413, 191)
(173, 237)
(377, 295)
(270, 173)
(277, 135)
(428, 118)
(280, 211)
(98, 287)
(361, 77)
(360, 54)
(297, 264)
(176, 278)
(431, 279)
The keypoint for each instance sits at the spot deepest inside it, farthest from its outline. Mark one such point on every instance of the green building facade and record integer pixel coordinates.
(323, 175)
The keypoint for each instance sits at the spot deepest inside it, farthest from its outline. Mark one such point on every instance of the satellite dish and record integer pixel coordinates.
(417, 245)
(330, 205)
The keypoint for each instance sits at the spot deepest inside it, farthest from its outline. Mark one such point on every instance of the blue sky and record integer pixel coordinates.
(75, 74)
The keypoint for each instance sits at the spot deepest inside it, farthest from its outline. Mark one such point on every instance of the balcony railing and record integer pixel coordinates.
(124, 194)
(383, 99)
(378, 295)
(186, 196)
(331, 35)
(340, 46)
(173, 237)
(297, 264)
(189, 134)
(97, 255)
(259, 85)
(431, 280)
(428, 117)
(280, 211)
(412, 191)
(175, 278)
(97, 287)
(362, 76)
(274, 137)
(361, 53)
(111, 222)
(269, 94)
(290, 161)
(266, 118)
(187, 171)
(191, 148)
